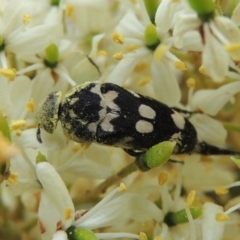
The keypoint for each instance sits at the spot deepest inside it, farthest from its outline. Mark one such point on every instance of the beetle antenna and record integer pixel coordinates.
(95, 65)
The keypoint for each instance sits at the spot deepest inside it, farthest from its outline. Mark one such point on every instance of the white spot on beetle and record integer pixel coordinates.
(108, 100)
(72, 114)
(106, 125)
(73, 100)
(146, 111)
(96, 89)
(144, 126)
(92, 127)
(178, 119)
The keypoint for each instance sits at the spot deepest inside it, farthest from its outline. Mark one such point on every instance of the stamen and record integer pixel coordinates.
(142, 236)
(180, 66)
(191, 83)
(30, 105)
(122, 187)
(160, 52)
(69, 10)
(143, 81)
(190, 198)
(12, 178)
(117, 37)
(17, 124)
(222, 217)
(68, 212)
(118, 56)
(26, 18)
(202, 70)
(9, 73)
(221, 190)
(162, 178)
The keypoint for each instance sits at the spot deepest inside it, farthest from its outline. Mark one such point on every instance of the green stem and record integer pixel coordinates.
(230, 127)
(102, 188)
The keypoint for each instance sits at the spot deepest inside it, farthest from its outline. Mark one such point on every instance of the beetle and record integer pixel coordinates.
(108, 114)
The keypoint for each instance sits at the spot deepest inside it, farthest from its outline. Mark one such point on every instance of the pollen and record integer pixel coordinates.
(30, 105)
(221, 190)
(157, 238)
(190, 198)
(68, 212)
(102, 53)
(145, 80)
(140, 67)
(26, 18)
(142, 236)
(232, 47)
(9, 73)
(117, 37)
(222, 217)
(17, 124)
(191, 83)
(180, 65)
(160, 52)
(131, 48)
(118, 56)
(76, 147)
(122, 187)
(12, 178)
(18, 132)
(162, 178)
(202, 70)
(69, 10)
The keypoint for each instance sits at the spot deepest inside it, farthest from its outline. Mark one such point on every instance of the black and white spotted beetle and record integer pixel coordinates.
(111, 115)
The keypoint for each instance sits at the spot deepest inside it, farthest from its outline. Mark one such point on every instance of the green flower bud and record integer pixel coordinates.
(40, 158)
(156, 155)
(78, 233)
(51, 55)
(174, 218)
(151, 37)
(204, 8)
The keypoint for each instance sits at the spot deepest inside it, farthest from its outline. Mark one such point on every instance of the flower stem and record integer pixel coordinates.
(124, 172)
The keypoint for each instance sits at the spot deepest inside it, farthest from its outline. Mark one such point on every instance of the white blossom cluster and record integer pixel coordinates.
(184, 53)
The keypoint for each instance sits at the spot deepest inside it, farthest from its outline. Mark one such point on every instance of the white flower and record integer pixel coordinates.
(26, 38)
(220, 37)
(114, 208)
(46, 72)
(159, 64)
(211, 228)
(98, 13)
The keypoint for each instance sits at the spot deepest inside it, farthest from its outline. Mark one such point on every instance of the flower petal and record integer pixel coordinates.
(212, 101)
(214, 57)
